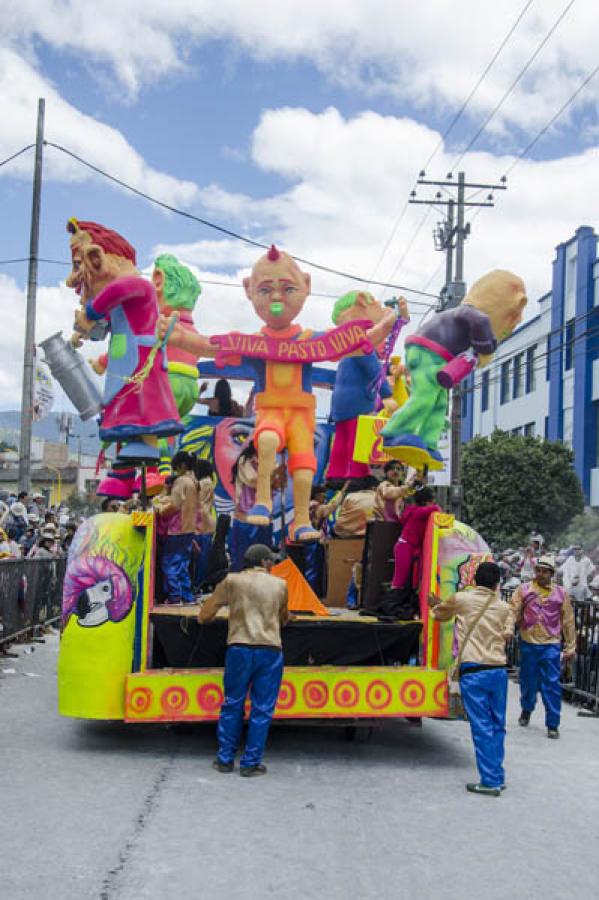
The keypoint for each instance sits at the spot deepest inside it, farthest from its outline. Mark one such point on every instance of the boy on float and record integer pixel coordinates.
(414, 520)
(543, 611)
(181, 507)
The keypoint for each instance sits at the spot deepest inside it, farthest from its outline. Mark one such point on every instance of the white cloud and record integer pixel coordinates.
(346, 197)
(429, 53)
(105, 147)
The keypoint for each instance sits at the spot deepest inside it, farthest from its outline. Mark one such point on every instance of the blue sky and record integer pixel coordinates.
(302, 123)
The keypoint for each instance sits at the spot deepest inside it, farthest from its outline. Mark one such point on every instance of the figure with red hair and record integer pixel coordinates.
(138, 404)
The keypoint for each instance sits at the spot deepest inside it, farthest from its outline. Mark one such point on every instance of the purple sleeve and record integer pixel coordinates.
(481, 334)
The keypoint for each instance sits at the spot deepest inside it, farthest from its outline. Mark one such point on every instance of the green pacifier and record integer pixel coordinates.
(276, 309)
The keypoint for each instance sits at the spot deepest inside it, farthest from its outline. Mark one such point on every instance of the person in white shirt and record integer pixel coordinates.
(576, 572)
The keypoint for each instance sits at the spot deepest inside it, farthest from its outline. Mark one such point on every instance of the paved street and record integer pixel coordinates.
(115, 812)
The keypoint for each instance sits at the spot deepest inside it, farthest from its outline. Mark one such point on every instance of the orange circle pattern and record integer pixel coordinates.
(210, 697)
(412, 694)
(440, 695)
(287, 696)
(175, 699)
(378, 695)
(316, 694)
(140, 699)
(346, 693)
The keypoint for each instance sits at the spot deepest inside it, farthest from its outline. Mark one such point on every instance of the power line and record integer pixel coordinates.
(227, 231)
(409, 245)
(521, 73)
(492, 62)
(18, 153)
(450, 128)
(554, 118)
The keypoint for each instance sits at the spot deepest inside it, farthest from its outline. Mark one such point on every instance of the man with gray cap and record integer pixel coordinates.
(257, 603)
(543, 611)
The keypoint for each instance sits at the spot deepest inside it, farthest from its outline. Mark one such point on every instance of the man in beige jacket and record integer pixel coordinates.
(484, 622)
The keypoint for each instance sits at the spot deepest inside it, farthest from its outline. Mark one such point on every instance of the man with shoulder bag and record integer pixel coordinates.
(484, 622)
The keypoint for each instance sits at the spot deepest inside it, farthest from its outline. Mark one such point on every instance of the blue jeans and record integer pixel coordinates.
(540, 671)
(484, 694)
(175, 563)
(200, 559)
(242, 536)
(260, 671)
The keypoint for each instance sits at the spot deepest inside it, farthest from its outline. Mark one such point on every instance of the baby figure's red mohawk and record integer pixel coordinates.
(273, 254)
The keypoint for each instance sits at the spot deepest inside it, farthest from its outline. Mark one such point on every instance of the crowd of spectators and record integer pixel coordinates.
(30, 528)
(576, 570)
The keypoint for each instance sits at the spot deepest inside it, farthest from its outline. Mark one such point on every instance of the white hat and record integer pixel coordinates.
(18, 509)
(547, 562)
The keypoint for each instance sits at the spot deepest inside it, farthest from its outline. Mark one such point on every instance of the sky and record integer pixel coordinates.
(304, 124)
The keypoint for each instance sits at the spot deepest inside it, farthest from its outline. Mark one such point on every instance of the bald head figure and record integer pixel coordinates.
(277, 289)
(502, 296)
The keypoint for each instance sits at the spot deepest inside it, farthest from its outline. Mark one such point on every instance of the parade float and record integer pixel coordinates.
(126, 656)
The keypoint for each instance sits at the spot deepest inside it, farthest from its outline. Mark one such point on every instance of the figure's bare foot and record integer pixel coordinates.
(304, 534)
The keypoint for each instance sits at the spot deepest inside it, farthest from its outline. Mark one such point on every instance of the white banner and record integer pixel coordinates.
(43, 392)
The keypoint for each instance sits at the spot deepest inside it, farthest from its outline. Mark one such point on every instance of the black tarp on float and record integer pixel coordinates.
(181, 642)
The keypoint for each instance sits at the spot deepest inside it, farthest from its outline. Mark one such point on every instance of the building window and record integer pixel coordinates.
(516, 432)
(464, 404)
(548, 359)
(484, 392)
(569, 355)
(517, 389)
(596, 410)
(546, 428)
(531, 380)
(505, 382)
(529, 429)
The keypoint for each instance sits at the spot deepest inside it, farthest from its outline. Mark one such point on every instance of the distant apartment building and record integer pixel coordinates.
(544, 379)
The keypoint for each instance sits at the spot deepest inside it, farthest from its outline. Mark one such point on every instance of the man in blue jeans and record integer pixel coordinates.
(257, 603)
(484, 622)
(543, 611)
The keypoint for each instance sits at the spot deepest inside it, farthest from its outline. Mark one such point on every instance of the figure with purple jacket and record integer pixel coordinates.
(441, 353)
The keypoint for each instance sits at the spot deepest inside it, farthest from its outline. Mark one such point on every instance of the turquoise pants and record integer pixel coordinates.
(425, 413)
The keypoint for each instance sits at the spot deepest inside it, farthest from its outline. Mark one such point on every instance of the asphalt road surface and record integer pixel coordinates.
(117, 812)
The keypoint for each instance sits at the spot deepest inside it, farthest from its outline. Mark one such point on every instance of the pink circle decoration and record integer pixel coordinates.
(210, 697)
(412, 694)
(287, 696)
(346, 693)
(316, 694)
(378, 695)
(140, 699)
(440, 695)
(174, 699)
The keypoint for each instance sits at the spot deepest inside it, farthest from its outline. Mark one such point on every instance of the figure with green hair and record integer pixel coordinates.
(360, 384)
(178, 289)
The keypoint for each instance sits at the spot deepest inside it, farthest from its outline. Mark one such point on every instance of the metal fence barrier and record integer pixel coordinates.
(30, 595)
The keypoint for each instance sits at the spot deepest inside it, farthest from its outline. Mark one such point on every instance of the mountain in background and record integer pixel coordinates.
(49, 429)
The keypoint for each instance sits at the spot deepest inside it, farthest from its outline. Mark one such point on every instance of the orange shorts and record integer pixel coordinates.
(295, 427)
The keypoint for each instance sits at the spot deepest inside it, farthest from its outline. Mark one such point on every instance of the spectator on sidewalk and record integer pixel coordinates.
(543, 611)
(484, 622)
(257, 604)
(576, 573)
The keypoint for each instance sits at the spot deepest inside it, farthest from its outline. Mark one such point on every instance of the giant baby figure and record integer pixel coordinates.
(138, 403)
(282, 355)
(442, 352)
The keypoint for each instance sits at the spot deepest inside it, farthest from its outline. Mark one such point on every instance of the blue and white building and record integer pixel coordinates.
(544, 379)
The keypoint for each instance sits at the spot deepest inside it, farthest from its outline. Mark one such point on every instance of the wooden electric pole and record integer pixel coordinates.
(450, 236)
(27, 395)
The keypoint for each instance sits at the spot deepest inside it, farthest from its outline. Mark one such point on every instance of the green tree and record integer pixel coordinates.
(514, 485)
(583, 529)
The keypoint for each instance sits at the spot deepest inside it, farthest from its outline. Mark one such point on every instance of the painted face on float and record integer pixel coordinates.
(91, 269)
(366, 307)
(277, 289)
(92, 607)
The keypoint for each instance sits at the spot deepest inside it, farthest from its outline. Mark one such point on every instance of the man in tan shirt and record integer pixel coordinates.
(484, 622)
(257, 604)
(543, 611)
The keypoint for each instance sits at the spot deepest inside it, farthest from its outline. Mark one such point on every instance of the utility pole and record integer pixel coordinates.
(449, 237)
(29, 351)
